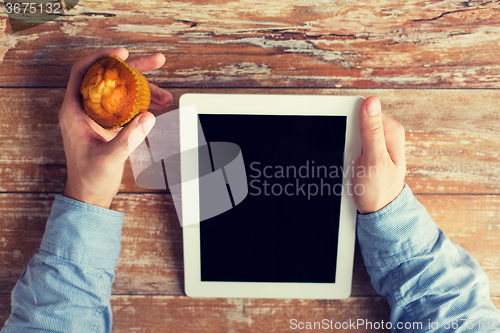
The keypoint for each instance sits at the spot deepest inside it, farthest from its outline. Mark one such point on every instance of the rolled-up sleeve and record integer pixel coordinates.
(426, 278)
(66, 287)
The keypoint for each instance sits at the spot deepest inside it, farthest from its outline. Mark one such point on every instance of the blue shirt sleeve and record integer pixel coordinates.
(67, 285)
(431, 283)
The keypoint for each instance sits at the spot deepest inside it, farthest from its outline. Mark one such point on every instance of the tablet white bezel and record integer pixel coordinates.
(247, 104)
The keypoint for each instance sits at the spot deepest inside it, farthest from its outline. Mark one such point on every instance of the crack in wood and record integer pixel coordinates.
(191, 24)
(480, 7)
(334, 35)
(300, 31)
(429, 39)
(98, 14)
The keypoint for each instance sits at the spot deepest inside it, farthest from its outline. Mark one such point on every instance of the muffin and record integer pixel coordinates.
(113, 92)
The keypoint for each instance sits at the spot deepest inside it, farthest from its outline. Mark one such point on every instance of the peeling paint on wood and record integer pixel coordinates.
(416, 43)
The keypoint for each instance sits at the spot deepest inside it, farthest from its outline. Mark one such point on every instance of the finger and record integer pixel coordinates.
(394, 139)
(372, 130)
(160, 98)
(78, 72)
(147, 63)
(158, 107)
(81, 66)
(131, 136)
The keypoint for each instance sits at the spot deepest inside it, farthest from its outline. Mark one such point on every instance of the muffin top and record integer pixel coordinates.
(109, 91)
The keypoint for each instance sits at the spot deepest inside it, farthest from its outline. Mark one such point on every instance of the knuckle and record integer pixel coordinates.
(75, 67)
(375, 130)
(62, 123)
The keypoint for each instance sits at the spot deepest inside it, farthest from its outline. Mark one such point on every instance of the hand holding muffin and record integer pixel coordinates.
(113, 92)
(95, 156)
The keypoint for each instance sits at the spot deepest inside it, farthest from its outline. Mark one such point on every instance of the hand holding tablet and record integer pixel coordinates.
(383, 141)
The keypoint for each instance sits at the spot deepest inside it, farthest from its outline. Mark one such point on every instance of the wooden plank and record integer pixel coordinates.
(151, 258)
(415, 43)
(183, 314)
(452, 137)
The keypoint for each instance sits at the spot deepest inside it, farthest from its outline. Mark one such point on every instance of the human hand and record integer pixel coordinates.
(95, 156)
(383, 159)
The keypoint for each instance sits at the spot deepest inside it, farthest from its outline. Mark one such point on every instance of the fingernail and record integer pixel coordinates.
(373, 109)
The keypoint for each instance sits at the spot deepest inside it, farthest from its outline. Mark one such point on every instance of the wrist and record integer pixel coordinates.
(76, 193)
(379, 202)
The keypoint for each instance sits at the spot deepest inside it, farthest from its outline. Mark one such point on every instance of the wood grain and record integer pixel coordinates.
(151, 258)
(451, 137)
(417, 43)
(279, 47)
(182, 314)
(194, 315)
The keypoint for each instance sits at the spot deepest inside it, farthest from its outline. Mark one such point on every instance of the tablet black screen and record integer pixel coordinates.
(281, 232)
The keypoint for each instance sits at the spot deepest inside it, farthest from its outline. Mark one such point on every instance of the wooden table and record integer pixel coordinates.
(434, 65)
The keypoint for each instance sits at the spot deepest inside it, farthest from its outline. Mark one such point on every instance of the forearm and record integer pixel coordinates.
(67, 285)
(425, 277)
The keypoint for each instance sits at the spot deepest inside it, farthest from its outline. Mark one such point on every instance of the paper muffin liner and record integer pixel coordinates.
(142, 96)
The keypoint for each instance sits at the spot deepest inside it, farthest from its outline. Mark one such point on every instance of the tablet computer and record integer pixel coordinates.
(284, 165)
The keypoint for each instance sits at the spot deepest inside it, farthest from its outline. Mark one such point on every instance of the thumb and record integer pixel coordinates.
(131, 136)
(372, 129)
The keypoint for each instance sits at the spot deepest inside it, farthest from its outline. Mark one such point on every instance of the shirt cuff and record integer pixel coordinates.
(397, 232)
(83, 233)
